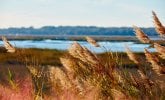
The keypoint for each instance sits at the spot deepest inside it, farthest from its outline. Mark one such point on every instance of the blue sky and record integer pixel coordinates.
(106, 13)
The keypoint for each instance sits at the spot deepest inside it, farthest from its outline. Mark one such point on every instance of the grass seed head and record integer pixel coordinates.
(82, 53)
(160, 49)
(92, 41)
(132, 56)
(158, 25)
(33, 70)
(57, 73)
(141, 35)
(67, 63)
(153, 60)
(8, 46)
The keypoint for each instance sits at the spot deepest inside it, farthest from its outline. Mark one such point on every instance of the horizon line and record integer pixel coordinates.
(38, 27)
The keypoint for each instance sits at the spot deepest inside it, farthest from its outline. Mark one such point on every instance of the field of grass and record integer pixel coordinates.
(17, 64)
(51, 57)
(43, 56)
(80, 74)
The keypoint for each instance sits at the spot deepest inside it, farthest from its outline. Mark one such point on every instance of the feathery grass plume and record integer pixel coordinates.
(160, 49)
(75, 71)
(91, 57)
(57, 73)
(158, 25)
(76, 50)
(8, 46)
(68, 64)
(92, 41)
(131, 55)
(141, 35)
(33, 70)
(146, 80)
(77, 74)
(82, 53)
(119, 77)
(142, 75)
(118, 95)
(154, 62)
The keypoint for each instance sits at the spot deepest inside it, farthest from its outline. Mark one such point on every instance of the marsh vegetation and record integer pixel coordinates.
(80, 74)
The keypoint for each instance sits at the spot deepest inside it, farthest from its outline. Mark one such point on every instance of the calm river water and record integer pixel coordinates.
(65, 44)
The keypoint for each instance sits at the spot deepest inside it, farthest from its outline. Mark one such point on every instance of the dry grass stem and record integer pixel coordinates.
(133, 79)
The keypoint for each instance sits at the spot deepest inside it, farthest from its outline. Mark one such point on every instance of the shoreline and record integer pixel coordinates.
(74, 37)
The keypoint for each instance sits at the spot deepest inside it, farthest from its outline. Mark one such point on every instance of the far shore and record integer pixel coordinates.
(75, 37)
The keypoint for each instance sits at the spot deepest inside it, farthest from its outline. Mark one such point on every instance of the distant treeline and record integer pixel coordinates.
(75, 30)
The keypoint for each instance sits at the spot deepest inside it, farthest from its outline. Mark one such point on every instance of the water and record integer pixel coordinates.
(65, 44)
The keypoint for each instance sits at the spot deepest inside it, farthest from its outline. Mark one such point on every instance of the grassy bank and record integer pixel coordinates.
(41, 56)
(51, 57)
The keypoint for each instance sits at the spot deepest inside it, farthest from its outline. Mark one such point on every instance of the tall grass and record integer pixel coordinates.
(86, 76)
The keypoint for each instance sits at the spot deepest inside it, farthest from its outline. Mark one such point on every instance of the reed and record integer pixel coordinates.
(92, 41)
(158, 25)
(132, 56)
(141, 35)
(8, 46)
(160, 49)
